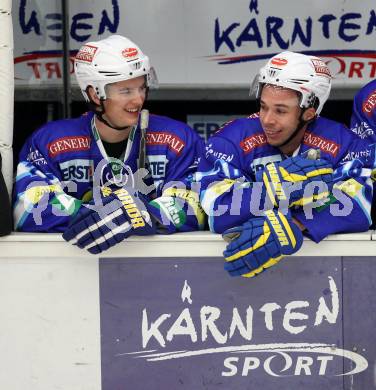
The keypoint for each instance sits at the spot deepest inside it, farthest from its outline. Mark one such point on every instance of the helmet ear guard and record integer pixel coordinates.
(152, 79)
(255, 86)
(313, 101)
(93, 106)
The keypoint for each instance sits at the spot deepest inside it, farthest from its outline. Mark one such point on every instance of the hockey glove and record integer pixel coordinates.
(178, 210)
(296, 181)
(114, 217)
(260, 243)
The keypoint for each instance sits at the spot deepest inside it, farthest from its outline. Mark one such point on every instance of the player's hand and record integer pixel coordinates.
(117, 214)
(260, 243)
(296, 181)
(178, 210)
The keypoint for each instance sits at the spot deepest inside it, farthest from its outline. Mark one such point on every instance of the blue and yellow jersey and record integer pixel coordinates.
(363, 119)
(60, 162)
(227, 172)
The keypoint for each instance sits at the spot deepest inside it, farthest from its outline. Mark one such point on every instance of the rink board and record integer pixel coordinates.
(197, 346)
(143, 316)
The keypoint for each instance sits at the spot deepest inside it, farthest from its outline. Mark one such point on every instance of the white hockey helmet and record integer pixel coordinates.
(308, 75)
(108, 61)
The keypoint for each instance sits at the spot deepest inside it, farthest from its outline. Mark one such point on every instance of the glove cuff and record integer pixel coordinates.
(167, 213)
(286, 233)
(178, 210)
(273, 191)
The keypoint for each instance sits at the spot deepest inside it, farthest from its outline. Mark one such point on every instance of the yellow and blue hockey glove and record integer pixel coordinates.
(296, 181)
(260, 243)
(113, 216)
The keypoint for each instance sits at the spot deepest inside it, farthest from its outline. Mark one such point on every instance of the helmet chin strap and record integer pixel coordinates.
(301, 124)
(99, 111)
(99, 115)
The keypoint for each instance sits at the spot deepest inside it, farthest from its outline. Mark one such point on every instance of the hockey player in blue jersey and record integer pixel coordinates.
(363, 123)
(270, 178)
(363, 119)
(106, 175)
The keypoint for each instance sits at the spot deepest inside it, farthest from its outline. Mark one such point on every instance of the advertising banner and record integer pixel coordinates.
(201, 43)
(207, 125)
(184, 323)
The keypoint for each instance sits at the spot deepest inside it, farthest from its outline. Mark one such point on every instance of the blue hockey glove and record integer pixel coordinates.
(114, 217)
(260, 243)
(311, 179)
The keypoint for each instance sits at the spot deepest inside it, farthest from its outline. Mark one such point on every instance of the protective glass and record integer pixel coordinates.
(152, 79)
(253, 90)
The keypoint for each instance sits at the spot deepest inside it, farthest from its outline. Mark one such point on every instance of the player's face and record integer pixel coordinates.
(279, 113)
(124, 101)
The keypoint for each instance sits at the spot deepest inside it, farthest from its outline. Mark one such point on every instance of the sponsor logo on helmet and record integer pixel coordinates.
(86, 53)
(68, 144)
(323, 144)
(320, 67)
(130, 53)
(369, 105)
(278, 61)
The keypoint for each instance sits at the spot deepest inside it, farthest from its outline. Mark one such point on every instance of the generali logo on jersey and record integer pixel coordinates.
(129, 52)
(86, 53)
(252, 142)
(321, 143)
(369, 105)
(68, 144)
(163, 138)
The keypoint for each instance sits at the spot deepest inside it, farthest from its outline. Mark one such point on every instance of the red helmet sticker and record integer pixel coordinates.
(86, 53)
(129, 52)
(279, 61)
(320, 67)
